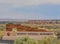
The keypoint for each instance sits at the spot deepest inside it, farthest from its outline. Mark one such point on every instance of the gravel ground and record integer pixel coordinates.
(6, 42)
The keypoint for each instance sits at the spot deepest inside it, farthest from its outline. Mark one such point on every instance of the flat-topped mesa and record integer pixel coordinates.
(44, 21)
(19, 27)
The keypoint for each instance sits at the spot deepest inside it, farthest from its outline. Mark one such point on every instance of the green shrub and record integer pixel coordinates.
(46, 40)
(25, 40)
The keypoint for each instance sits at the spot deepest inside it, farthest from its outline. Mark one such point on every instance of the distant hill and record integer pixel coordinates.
(3, 21)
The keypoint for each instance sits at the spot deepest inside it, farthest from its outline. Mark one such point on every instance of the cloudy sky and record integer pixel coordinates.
(29, 9)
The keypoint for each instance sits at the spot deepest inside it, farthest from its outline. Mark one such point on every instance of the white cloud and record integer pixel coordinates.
(29, 2)
(21, 16)
(6, 8)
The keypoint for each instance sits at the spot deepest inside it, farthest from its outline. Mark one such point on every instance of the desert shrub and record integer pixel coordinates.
(1, 34)
(46, 40)
(25, 40)
(49, 40)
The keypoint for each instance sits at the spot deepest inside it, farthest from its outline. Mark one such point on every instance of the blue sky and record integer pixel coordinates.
(29, 9)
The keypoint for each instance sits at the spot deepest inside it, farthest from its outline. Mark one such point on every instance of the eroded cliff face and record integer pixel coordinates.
(19, 27)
